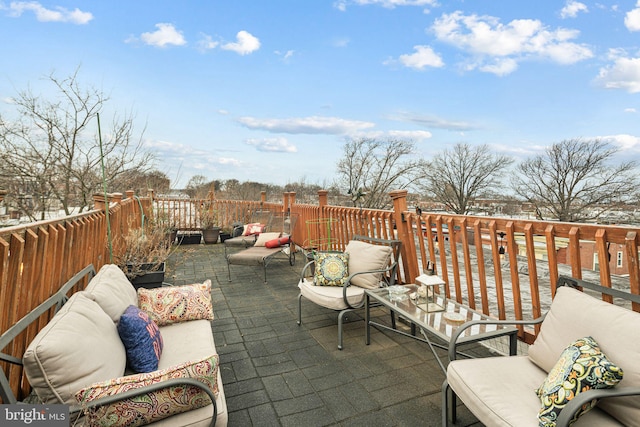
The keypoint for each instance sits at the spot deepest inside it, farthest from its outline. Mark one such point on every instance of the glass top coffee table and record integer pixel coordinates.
(442, 324)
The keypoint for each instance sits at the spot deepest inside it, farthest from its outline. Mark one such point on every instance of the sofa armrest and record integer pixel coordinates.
(576, 403)
(453, 344)
(107, 400)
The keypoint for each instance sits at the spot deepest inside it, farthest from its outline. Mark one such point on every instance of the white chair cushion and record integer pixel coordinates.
(366, 257)
(78, 347)
(113, 292)
(331, 296)
(574, 315)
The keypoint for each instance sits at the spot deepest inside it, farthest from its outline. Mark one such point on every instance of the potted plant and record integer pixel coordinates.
(209, 224)
(143, 254)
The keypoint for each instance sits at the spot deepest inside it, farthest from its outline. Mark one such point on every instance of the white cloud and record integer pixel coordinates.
(306, 125)
(60, 14)
(572, 8)
(166, 34)
(490, 42)
(630, 110)
(390, 4)
(434, 122)
(206, 42)
(624, 74)
(632, 19)
(623, 141)
(416, 135)
(422, 58)
(245, 43)
(280, 145)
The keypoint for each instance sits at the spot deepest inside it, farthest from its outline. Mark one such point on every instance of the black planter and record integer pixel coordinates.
(189, 238)
(146, 276)
(224, 236)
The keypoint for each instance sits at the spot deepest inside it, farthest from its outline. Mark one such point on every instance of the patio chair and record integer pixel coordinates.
(268, 244)
(370, 263)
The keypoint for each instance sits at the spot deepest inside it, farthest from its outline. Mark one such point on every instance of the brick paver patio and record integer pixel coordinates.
(276, 373)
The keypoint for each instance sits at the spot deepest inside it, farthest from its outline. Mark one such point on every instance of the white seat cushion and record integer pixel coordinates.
(331, 296)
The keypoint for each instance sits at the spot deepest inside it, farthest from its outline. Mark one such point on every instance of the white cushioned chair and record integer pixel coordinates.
(371, 263)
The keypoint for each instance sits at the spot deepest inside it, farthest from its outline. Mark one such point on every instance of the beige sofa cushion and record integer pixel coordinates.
(366, 257)
(574, 315)
(79, 346)
(500, 391)
(190, 341)
(111, 289)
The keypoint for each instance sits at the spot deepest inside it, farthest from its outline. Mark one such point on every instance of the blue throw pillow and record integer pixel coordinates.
(141, 338)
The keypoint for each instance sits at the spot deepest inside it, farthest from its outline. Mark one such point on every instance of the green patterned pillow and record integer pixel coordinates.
(155, 405)
(581, 367)
(332, 268)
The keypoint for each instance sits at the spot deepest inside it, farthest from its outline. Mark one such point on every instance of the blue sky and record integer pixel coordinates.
(270, 90)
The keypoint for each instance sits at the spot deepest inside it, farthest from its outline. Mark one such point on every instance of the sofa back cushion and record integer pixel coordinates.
(574, 315)
(111, 289)
(79, 346)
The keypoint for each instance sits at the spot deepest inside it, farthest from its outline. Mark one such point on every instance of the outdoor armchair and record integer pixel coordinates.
(338, 280)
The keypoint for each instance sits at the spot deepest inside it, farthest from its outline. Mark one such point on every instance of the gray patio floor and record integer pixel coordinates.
(276, 373)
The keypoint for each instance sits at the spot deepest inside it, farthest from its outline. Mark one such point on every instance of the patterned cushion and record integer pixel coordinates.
(253, 228)
(582, 366)
(171, 304)
(152, 406)
(141, 338)
(332, 268)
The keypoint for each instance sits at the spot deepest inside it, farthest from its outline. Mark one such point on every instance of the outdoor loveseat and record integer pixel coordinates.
(94, 356)
(585, 348)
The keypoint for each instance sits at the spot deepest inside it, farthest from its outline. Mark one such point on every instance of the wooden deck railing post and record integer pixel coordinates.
(408, 250)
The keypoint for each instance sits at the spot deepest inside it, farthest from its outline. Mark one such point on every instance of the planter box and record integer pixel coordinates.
(189, 238)
(150, 278)
(224, 236)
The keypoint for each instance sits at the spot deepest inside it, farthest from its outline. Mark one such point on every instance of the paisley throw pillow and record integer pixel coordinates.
(153, 406)
(582, 366)
(331, 269)
(172, 304)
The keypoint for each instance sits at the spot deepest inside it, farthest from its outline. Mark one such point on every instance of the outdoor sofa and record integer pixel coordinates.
(84, 356)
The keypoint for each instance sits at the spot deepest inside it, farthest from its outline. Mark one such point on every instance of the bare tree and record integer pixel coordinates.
(370, 168)
(574, 180)
(457, 176)
(51, 146)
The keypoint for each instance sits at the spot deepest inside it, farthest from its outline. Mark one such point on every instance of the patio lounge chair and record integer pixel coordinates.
(372, 263)
(268, 245)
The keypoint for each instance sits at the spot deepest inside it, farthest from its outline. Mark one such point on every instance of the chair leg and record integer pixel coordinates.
(340, 317)
(299, 308)
(448, 405)
(229, 270)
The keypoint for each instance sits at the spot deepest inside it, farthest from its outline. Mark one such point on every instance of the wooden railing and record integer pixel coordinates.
(38, 258)
(505, 268)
